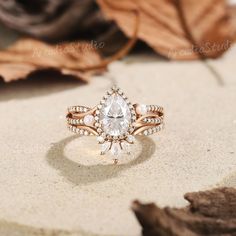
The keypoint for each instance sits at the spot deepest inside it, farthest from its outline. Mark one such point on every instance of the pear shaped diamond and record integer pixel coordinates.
(115, 115)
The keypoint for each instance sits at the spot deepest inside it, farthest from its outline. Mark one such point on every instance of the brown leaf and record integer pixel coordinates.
(210, 213)
(28, 55)
(232, 14)
(15, 71)
(177, 29)
(219, 203)
(79, 59)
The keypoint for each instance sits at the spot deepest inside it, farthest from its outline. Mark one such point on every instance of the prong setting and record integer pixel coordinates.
(115, 120)
(115, 140)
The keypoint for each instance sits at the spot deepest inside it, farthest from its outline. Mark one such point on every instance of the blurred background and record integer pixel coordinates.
(56, 53)
(82, 37)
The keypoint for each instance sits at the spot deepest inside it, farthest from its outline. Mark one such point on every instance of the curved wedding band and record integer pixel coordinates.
(115, 121)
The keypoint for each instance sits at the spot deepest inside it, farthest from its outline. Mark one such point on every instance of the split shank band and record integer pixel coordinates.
(115, 121)
(81, 119)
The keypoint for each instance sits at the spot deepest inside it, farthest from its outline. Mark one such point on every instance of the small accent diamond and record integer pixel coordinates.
(130, 138)
(126, 147)
(105, 147)
(100, 139)
(115, 149)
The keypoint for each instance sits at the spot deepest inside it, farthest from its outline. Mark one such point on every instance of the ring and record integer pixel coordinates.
(115, 121)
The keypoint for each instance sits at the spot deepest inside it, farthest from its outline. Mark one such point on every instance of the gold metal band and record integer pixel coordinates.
(147, 124)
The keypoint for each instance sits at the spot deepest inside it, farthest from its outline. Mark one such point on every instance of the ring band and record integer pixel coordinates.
(115, 121)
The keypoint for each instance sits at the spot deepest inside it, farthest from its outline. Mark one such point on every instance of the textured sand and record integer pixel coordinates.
(52, 182)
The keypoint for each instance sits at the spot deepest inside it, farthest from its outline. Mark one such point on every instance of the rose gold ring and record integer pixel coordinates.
(115, 121)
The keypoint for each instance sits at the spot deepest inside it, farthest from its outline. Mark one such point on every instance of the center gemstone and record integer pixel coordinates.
(115, 115)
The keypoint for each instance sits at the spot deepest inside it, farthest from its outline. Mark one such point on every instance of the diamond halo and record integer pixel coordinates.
(114, 120)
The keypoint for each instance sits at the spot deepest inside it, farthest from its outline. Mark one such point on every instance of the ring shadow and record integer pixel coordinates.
(79, 174)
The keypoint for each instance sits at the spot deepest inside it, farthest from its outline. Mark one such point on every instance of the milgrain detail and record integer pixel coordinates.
(115, 120)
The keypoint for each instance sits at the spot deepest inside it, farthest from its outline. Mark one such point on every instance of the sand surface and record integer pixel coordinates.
(53, 182)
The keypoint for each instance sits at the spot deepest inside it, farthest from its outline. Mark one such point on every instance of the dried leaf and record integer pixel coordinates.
(210, 213)
(14, 71)
(28, 55)
(78, 59)
(177, 29)
(232, 14)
